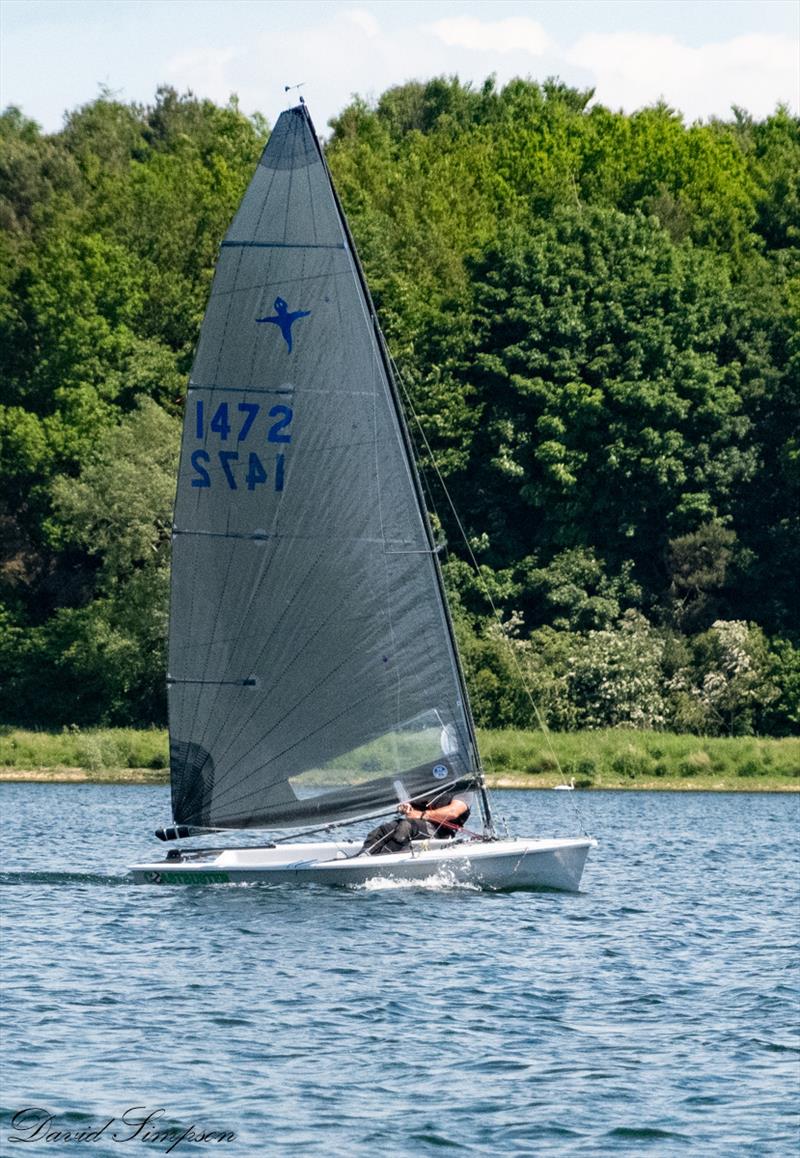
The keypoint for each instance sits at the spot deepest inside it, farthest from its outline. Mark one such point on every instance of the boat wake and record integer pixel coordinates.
(441, 881)
(64, 878)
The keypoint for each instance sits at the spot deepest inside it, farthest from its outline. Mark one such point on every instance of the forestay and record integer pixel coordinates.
(312, 672)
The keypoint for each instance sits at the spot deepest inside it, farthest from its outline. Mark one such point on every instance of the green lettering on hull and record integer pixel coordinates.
(170, 877)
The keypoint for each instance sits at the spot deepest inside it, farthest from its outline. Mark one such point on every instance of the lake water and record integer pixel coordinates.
(654, 1013)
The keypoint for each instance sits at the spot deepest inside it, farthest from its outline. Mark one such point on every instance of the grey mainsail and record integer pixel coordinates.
(313, 675)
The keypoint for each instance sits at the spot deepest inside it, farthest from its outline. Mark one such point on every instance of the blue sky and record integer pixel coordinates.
(702, 56)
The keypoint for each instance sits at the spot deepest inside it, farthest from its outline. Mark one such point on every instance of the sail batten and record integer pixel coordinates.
(312, 664)
(243, 683)
(281, 245)
(242, 389)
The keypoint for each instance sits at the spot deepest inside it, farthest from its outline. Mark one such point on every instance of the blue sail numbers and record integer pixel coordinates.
(234, 424)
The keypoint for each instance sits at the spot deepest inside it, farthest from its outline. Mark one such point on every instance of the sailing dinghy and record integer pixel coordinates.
(313, 674)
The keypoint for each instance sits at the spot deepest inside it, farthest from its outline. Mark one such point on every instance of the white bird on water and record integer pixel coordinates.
(565, 787)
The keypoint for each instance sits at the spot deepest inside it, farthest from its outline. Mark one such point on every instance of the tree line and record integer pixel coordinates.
(595, 321)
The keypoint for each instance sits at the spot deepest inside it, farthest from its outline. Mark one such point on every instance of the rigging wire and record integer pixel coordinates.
(484, 586)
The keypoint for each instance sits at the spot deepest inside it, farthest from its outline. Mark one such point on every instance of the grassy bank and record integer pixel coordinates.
(119, 755)
(609, 759)
(628, 759)
(599, 760)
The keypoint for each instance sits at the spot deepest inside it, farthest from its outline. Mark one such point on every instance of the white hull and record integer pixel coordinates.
(498, 864)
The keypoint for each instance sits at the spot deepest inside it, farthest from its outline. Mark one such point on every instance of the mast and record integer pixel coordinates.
(404, 430)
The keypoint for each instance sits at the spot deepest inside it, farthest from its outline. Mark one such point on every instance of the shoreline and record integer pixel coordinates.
(613, 759)
(522, 780)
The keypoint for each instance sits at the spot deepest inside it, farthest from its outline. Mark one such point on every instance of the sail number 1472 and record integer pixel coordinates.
(237, 425)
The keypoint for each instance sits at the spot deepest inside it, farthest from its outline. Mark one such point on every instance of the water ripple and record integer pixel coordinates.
(651, 1015)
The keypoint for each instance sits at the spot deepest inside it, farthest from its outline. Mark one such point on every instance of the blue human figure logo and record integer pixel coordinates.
(285, 320)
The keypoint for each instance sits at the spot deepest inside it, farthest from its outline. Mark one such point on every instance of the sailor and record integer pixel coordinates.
(442, 817)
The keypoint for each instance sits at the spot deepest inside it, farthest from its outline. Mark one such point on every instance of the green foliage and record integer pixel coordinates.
(24, 449)
(575, 592)
(100, 663)
(732, 661)
(120, 506)
(608, 399)
(596, 320)
(104, 661)
(698, 565)
(515, 680)
(781, 716)
(615, 676)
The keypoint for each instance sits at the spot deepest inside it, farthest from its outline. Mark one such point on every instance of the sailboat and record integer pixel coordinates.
(314, 679)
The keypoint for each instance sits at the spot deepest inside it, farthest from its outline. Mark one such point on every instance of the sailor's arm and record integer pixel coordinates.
(446, 812)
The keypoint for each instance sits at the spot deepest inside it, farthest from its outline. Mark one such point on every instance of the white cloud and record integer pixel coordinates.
(353, 48)
(516, 34)
(345, 53)
(631, 69)
(206, 71)
(363, 20)
(52, 55)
